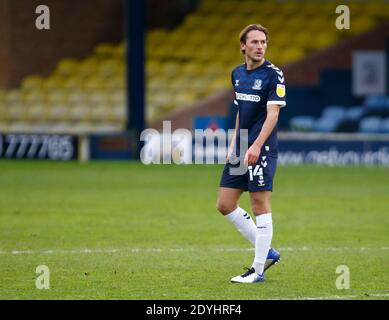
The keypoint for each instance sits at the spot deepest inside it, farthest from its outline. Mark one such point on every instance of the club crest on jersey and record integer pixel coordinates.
(257, 84)
(280, 90)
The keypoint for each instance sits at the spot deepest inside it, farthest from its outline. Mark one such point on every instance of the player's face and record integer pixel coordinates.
(255, 46)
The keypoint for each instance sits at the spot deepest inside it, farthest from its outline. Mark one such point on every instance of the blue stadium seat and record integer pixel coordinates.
(330, 119)
(370, 125)
(301, 123)
(384, 127)
(326, 124)
(351, 118)
(334, 112)
(354, 113)
(377, 102)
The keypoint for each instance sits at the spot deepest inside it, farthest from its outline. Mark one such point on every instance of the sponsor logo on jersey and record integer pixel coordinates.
(247, 97)
(280, 90)
(257, 84)
(236, 83)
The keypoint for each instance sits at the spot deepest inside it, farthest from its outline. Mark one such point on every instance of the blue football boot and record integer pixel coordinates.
(273, 257)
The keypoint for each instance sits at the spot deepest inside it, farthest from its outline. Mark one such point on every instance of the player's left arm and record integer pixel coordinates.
(254, 151)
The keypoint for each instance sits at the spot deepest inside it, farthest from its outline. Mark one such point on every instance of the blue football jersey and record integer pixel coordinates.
(254, 91)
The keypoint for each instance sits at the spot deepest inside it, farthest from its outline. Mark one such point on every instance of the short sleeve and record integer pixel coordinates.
(233, 83)
(277, 88)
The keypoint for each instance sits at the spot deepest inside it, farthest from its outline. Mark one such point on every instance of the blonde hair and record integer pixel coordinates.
(247, 29)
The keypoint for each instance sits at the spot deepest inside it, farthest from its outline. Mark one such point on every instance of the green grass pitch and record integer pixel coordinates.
(123, 230)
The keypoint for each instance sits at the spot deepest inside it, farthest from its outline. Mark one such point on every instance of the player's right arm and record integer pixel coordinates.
(232, 145)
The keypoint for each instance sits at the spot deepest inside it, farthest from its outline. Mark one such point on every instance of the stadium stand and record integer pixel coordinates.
(177, 59)
(384, 125)
(183, 65)
(372, 117)
(370, 125)
(302, 123)
(80, 97)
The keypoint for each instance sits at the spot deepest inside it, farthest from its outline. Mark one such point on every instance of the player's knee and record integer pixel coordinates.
(259, 207)
(224, 207)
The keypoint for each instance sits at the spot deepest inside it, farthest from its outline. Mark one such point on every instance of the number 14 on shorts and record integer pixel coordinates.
(256, 172)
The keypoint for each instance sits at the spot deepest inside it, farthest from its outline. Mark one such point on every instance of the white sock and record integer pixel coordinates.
(243, 222)
(262, 241)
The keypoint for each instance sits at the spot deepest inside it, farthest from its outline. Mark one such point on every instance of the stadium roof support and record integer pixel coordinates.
(134, 16)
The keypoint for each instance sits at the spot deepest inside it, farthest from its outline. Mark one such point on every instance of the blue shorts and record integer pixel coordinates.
(257, 178)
